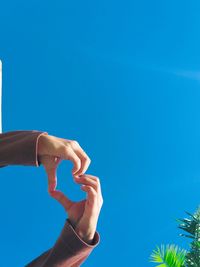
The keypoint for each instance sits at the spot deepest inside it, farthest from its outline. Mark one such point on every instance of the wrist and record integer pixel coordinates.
(86, 237)
(41, 144)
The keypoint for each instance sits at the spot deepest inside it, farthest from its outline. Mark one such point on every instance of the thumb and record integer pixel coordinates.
(62, 199)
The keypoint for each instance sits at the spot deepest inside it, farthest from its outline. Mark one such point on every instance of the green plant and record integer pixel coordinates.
(173, 256)
(168, 256)
(191, 226)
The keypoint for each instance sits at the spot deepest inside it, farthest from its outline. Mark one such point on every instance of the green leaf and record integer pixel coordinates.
(168, 256)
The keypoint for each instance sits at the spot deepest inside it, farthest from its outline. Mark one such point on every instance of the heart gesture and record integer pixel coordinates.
(83, 214)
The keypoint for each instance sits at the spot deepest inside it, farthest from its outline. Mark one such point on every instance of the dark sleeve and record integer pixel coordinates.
(19, 147)
(68, 251)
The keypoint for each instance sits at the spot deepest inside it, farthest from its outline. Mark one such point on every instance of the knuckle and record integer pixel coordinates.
(88, 161)
(90, 188)
(85, 158)
(65, 148)
(78, 161)
(93, 192)
(67, 144)
(101, 199)
(65, 141)
(97, 179)
(74, 142)
(101, 203)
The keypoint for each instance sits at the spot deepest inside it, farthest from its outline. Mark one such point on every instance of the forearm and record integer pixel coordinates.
(69, 250)
(19, 147)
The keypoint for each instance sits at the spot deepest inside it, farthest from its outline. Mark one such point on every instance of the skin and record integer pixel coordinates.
(84, 214)
(61, 149)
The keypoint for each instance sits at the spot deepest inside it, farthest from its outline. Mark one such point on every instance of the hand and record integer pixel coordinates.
(84, 214)
(52, 150)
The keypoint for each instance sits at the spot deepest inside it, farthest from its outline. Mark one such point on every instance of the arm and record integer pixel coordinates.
(68, 251)
(23, 148)
(79, 235)
(26, 147)
(20, 148)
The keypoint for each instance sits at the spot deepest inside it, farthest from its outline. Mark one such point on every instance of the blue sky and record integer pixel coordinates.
(123, 79)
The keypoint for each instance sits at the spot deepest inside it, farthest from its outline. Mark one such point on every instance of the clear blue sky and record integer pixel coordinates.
(123, 79)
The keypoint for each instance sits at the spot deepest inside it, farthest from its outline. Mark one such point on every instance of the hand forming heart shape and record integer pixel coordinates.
(84, 214)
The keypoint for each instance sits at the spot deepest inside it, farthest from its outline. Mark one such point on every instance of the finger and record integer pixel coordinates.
(85, 160)
(97, 183)
(50, 164)
(71, 155)
(87, 181)
(80, 153)
(52, 179)
(62, 199)
(91, 193)
(93, 179)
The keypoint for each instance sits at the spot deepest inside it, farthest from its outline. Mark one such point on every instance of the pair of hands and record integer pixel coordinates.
(84, 214)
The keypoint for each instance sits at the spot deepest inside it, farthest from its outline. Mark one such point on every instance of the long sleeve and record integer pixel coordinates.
(19, 148)
(68, 251)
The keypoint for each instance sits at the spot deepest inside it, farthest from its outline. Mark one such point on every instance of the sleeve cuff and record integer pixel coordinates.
(76, 243)
(37, 162)
(19, 147)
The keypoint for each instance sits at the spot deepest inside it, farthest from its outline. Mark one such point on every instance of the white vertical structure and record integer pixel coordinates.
(0, 96)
